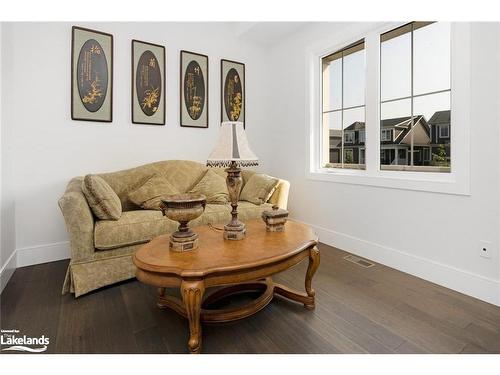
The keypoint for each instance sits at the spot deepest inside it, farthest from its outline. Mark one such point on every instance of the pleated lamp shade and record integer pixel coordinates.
(232, 145)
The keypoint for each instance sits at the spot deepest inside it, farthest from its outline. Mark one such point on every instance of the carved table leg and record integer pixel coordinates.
(307, 299)
(311, 270)
(192, 295)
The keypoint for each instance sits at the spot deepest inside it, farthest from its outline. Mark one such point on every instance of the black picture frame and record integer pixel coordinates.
(185, 118)
(224, 64)
(79, 108)
(138, 115)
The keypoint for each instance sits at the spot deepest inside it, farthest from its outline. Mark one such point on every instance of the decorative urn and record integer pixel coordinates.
(275, 219)
(183, 208)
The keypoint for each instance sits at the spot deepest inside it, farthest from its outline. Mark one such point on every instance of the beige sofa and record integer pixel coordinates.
(101, 250)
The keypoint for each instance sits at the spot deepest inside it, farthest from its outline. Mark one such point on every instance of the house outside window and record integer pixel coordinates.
(415, 93)
(343, 106)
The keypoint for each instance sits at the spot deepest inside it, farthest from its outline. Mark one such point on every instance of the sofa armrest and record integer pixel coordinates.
(280, 195)
(79, 221)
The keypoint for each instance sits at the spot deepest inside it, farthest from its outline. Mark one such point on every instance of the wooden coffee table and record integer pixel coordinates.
(245, 265)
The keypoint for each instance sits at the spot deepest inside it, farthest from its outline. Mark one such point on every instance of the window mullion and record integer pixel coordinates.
(342, 111)
(372, 106)
(411, 100)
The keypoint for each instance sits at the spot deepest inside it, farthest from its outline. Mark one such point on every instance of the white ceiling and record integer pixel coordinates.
(267, 33)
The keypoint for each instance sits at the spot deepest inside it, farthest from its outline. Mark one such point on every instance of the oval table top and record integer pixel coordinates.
(215, 254)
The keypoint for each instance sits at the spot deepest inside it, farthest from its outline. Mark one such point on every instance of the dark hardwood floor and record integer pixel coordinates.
(358, 310)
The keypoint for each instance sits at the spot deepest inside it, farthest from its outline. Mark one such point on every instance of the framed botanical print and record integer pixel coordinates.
(232, 91)
(91, 75)
(148, 83)
(194, 89)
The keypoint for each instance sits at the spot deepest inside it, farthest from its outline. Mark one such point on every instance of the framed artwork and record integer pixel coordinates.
(194, 89)
(148, 83)
(91, 75)
(232, 91)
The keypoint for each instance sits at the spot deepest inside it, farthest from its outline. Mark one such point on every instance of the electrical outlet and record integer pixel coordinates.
(485, 249)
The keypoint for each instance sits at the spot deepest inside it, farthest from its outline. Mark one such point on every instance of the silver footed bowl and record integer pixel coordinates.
(183, 208)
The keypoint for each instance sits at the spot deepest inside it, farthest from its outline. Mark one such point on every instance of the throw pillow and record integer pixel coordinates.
(258, 188)
(102, 199)
(212, 186)
(149, 195)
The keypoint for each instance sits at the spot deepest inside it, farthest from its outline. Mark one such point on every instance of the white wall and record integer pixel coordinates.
(47, 148)
(7, 217)
(434, 236)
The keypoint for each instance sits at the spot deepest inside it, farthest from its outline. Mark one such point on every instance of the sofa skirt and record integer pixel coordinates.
(84, 277)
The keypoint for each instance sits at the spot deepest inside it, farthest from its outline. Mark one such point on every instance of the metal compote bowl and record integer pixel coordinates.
(183, 208)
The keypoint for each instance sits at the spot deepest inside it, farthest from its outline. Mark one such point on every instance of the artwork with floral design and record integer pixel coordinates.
(233, 91)
(91, 75)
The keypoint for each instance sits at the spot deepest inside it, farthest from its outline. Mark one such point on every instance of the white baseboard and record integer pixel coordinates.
(32, 255)
(8, 270)
(42, 253)
(483, 288)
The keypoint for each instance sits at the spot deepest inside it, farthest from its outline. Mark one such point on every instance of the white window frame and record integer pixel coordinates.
(447, 127)
(351, 135)
(455, 182)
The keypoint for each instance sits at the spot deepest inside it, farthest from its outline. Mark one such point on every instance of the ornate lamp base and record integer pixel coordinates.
(235, 232)
(235, 229)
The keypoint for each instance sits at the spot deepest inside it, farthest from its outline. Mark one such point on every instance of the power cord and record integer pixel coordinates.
(217, 229)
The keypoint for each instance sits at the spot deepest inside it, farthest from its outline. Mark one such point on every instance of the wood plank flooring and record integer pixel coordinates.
(358, 310)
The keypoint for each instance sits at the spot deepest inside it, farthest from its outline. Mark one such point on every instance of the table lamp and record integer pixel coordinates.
(232, 151)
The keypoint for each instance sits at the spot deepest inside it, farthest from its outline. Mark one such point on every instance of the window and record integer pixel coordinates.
(402, 156)
(415, 92)
(383, 156)
(410, 70)
(348, 137)
(444, 131)
(361, 137)
(386, 135)
(427, 154)
(343, 105)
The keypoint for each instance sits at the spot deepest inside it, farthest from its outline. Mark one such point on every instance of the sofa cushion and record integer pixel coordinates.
(212, 186)
(258, 188)
(149, 195)
(183, 174)
(133, 227)
(101, 198)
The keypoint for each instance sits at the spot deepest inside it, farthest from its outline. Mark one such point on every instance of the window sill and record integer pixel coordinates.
(443, 183)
